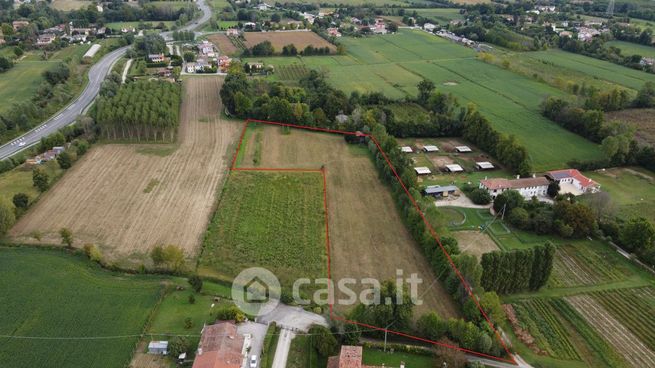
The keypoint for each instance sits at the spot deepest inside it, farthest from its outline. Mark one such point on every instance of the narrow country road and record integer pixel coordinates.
(97, 74)
(282, 350)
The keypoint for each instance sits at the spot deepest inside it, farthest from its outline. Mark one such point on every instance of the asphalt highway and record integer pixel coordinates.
(97, 74)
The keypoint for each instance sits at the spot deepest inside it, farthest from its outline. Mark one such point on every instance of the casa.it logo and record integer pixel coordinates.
(256, 291)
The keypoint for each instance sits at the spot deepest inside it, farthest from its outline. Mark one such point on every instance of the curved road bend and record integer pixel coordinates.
(97, 74)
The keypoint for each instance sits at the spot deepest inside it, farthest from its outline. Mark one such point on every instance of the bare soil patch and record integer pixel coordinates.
(300, 39)
(367, 236)
(641, 119)
(108, 198)
(625, 342)
(223, 43)
(475, 243)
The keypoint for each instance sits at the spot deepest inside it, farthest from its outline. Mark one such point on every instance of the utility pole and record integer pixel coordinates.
(386, 330)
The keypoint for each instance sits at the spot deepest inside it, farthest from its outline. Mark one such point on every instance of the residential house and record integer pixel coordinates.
(333, 32)
(190, 67)
(646, 61)
(429, 27)
(309, 17)
(233, 32)
(220, 347)
(45, 39)
(566, 34)
(572, 181)
(249, 25)
(547, 8)
(156, 58)
(528, 187)
(587, 34)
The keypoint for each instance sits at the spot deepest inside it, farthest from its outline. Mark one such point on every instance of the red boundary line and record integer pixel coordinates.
(434, 234)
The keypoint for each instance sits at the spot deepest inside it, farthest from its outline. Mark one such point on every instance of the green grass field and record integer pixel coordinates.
(303, 355)
(69, 301)
(632, 190)
(629, 48)
(394, 64)
(600, 69)
(272, 220)
(442, 15)
(119, 25)
(19, 83)
(19, 180)
(376, 357)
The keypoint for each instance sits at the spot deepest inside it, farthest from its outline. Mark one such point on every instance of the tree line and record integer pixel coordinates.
(518, 270)
(141, 110)
(265, 48)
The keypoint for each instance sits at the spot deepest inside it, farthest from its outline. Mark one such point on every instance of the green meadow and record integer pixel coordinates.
(74, 313)
(629, 48)
(394, 64)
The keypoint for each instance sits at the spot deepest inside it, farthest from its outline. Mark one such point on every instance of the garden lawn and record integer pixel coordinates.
(271, 220)
(68, 299)
(378, 357)
(20, 83)
(303, 355)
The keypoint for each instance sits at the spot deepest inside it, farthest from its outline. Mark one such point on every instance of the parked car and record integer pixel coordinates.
(253, 361)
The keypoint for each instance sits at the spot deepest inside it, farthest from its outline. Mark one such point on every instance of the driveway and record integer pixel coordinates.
(293, 318)
(461, 201)
(258, 332)
(282, 350)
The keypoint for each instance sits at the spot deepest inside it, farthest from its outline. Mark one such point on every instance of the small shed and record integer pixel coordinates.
(422, 170)
(463, 149)
(439, 191)
(406, 149)
(485, 165)
(430, 148)
(454, 168)
(158, 347)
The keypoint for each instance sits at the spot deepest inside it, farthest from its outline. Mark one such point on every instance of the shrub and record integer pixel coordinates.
(21, 200)
(230, 313)
(93, 253)
(196, 283)
(178, 345)
(479, 196)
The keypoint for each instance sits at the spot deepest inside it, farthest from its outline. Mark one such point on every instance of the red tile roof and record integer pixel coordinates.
(220, 347)
(498, 183)
(585, 182)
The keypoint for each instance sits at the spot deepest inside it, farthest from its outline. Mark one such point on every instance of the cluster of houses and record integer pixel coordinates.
(46, 156)
(66, 32)
(207, 58)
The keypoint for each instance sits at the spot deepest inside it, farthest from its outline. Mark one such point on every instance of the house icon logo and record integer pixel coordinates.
(256, 291)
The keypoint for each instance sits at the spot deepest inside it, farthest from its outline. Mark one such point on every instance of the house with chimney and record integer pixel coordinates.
(220, 347)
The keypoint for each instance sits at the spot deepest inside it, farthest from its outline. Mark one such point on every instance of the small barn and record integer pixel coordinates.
(422, 170)
(439, 191)
(485, 165)
(463, 149)
(430, 148)
(406, 149)
(158, 347)
(453, 168)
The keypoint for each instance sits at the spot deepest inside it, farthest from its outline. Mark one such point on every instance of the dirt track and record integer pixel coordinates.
(128, 198)
(368, 238)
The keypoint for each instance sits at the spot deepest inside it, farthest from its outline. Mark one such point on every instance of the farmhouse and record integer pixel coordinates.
(439, 191)
(528, 187)
(453, 168)
(422, 170)
(572, 181)
(463, 149)
(430, 148)
(220, 347)
(232, 32)
(406, 149)
(485, 165)
(206, 48)
(158, 347)
(333, 32)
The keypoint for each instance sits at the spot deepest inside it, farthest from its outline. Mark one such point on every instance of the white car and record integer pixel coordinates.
(253, 361)
(21, 144)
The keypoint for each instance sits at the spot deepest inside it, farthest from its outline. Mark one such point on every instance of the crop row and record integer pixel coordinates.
(602, 351)
(292, 72)
(551, 333)
(632, 310)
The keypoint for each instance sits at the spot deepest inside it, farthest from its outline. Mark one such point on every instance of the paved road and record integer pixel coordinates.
(258, 333)
(293, 318)
(282, 350)
(97, 74)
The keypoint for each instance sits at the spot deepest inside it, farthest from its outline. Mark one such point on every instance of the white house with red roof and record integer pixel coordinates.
(572, 181)
(528, 187)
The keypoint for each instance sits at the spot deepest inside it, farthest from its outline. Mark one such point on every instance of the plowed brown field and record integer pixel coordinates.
(300, 39)
(129, 198)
